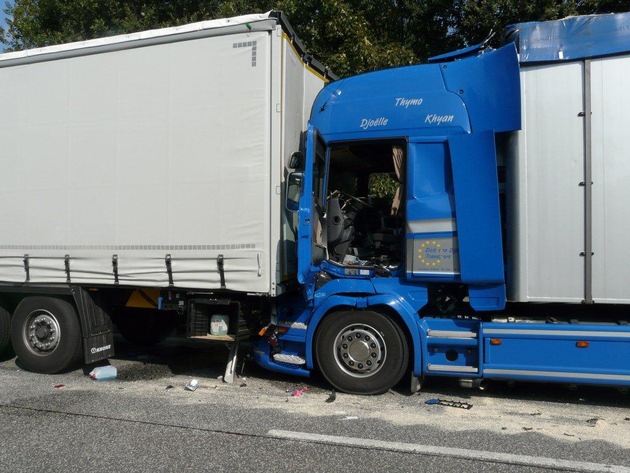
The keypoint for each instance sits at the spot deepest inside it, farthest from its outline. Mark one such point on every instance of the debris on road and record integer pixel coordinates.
(332, 397)
(444, 402)
(298, 392)
(104, 373)
(168, 388)
(59, 386)
(192, 385)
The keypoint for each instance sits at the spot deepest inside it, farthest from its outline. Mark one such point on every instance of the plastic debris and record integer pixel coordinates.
(298, 392)
(332, 397)
(593, 422)
(104, 373)
(444, 402)
(168, 388)
(59, 386)
(192, 385)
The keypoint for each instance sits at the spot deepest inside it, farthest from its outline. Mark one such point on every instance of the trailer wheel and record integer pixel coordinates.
(361, 352)
(5, 332)
(46, 334)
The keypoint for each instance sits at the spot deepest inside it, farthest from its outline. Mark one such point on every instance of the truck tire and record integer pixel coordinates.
(5, 333)
(361, 352)
(145, 327)
(46, 334)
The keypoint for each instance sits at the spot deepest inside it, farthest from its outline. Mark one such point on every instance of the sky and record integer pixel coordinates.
(2, 20)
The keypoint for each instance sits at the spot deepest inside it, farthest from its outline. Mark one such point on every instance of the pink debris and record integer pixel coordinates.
(299, 392)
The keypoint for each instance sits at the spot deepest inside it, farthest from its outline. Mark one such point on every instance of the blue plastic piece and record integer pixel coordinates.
(305, 269)
(487, 297)
(262, 356)
(476, 193)
(458, 54)
(489, 85)
(571, 38)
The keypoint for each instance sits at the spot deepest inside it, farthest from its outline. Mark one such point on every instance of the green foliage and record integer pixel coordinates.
(382, 185)
(478, 18)
(350, 36)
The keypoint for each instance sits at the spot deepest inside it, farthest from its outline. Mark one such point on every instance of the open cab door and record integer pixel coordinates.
(311, 245)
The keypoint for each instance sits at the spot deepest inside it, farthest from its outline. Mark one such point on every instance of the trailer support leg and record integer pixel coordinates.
(228, 377)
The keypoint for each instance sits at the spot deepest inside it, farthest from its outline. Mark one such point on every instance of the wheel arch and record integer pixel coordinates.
(390, 305)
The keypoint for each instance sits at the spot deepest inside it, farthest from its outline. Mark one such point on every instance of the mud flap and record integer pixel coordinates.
(96, 326)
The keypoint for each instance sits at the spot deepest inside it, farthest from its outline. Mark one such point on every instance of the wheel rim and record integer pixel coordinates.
(360, 350)
(42, 332)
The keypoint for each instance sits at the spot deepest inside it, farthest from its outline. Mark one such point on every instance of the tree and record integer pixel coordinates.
(350, 36)
(478, 17)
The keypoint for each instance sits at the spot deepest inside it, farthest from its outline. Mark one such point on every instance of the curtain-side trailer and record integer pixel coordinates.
(142, 172)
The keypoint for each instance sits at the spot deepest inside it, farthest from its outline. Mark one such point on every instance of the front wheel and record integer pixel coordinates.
(361, 352)
(46, 334)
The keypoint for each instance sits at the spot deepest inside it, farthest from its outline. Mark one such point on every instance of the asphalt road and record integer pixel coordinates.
(146, 420)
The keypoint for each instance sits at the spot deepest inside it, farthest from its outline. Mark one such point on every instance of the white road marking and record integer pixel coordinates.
(477, 455)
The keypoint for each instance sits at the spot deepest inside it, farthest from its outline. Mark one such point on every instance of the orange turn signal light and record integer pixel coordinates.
(582, 344)
(496, 341)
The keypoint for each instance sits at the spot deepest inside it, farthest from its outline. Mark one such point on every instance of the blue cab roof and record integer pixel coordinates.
(572, 38)
(424, 100)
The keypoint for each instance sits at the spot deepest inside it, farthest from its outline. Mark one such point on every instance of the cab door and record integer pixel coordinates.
(311, 243)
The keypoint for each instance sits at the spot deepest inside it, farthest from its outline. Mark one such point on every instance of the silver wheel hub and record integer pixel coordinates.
(42, 332)
(360, 350)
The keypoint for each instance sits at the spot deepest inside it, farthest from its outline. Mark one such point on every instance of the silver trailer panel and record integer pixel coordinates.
(549, 225)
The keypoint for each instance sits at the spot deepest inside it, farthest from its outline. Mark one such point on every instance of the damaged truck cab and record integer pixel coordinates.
(447, 221)
(398, 209)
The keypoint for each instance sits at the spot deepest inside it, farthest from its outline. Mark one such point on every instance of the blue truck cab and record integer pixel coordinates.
(401, 238)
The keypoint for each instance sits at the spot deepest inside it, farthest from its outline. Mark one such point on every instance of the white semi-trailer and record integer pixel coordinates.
(147, 161)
